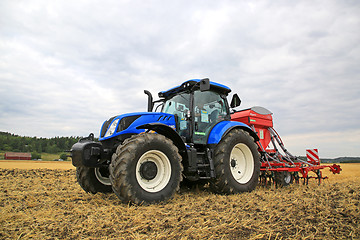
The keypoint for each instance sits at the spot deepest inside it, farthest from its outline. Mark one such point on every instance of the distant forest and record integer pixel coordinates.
(337, 160)
(14, 143)
(341, 160)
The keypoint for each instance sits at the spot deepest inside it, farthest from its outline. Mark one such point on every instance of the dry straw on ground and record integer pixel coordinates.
(49, 204)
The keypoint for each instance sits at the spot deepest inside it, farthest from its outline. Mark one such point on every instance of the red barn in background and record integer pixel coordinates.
(17, 156)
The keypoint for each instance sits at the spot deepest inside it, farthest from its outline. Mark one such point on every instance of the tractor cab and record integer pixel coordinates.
(198, 105)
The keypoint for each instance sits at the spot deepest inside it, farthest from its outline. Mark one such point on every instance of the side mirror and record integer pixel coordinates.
(204, 84)
(235, 101)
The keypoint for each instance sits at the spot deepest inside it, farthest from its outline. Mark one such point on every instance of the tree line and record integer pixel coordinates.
(15, 143)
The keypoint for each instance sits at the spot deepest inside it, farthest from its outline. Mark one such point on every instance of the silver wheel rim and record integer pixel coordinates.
(163, 174)
(102, 179)
(287, 177)
(241, 163)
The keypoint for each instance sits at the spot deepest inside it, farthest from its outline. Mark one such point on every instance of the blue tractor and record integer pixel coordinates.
(189, 137)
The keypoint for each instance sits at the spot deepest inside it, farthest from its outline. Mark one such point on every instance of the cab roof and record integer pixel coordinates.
(216, 87)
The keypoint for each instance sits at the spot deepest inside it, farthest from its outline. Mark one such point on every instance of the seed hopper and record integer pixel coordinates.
(278, 165)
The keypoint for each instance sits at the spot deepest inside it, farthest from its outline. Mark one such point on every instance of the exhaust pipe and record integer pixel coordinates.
(150, 100)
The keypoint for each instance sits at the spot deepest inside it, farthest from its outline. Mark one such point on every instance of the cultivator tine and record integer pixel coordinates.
(319, 176)
(296, 177)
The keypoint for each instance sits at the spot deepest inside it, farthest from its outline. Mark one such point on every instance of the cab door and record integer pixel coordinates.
(209, 108)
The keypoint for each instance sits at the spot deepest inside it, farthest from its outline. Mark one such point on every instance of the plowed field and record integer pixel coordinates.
(49, 204)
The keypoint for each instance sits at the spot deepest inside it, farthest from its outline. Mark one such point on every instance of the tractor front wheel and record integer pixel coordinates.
(94, 180)
(146, 168)
(237, 163)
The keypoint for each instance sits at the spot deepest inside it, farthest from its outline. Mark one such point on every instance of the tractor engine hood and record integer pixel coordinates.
(128, 123)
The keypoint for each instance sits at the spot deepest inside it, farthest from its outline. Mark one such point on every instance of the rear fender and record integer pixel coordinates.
(222, 128)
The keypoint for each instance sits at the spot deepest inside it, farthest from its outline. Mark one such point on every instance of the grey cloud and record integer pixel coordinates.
(74, 64)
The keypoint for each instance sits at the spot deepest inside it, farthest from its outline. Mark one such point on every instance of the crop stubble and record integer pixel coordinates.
(49, 204)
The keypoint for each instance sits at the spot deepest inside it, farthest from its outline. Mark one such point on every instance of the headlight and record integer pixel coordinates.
(112, 128)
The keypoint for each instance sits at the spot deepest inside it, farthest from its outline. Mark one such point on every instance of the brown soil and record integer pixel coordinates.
(49, 204)
(23, 164)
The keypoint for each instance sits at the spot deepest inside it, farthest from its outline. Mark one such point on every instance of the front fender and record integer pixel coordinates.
(168, 132)
(222, 128)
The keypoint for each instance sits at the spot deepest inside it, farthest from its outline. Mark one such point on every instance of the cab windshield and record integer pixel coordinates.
(177, 105)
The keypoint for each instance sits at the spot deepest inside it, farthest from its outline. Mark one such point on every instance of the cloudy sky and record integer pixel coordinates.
(66, 66)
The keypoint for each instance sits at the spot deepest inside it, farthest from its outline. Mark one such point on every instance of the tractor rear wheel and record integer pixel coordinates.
(146, 168)
(237, 163)
(94, 180)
